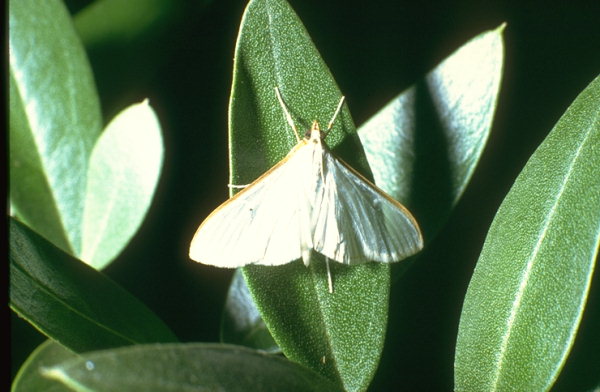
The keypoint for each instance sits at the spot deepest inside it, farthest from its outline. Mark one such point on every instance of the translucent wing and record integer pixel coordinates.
(266, 223)
(357, 222)
(309, 200)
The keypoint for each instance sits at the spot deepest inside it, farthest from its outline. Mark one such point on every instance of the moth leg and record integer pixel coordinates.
(329, 278)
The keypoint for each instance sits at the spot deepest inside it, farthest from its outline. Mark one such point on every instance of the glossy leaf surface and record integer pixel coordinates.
(123, 173)
(464, 89)
(54, 120)
(185, 367)
(30, 379)
(242, 323)
(340, 334)
(529, 289)
(425, 144)
(72, 303)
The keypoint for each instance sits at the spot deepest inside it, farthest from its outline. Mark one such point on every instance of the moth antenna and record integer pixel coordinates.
(329, 278)
(337, 111)
(288, 116)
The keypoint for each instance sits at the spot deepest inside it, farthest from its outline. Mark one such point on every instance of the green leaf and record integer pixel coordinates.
(29, 378)
(185, 367)
(123, 173)
(54, 120)
(71, 302)
(464, 90)
(529, 289)
(341, 334)
(241, 323)
(274, 50)
(424, 145)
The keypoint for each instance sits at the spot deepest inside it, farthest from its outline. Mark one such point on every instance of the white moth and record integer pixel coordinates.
(309, 201)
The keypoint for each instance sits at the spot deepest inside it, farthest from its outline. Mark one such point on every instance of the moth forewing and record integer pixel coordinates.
(244, 229)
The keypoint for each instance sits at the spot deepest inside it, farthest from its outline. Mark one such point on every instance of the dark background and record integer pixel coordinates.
(375, 50)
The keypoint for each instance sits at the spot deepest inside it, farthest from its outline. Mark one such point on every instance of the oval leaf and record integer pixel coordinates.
(185, 367)
(29, 378)
(241, 323)
(72, 303)
(424, 145)
(393, 143)
(54, 120)
(529, 289)
(341, 334)
(123, 173)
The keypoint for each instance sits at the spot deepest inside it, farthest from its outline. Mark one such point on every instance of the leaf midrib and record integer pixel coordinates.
(523, 285)
(40, 156)
(44, 288)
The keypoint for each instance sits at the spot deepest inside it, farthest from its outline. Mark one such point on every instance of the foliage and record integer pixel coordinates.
(80, 191)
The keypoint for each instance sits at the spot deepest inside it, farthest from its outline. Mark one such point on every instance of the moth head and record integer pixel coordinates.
(314, 134)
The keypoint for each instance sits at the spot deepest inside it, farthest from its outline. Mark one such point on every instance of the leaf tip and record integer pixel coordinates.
(500, 29)
(51, 372)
